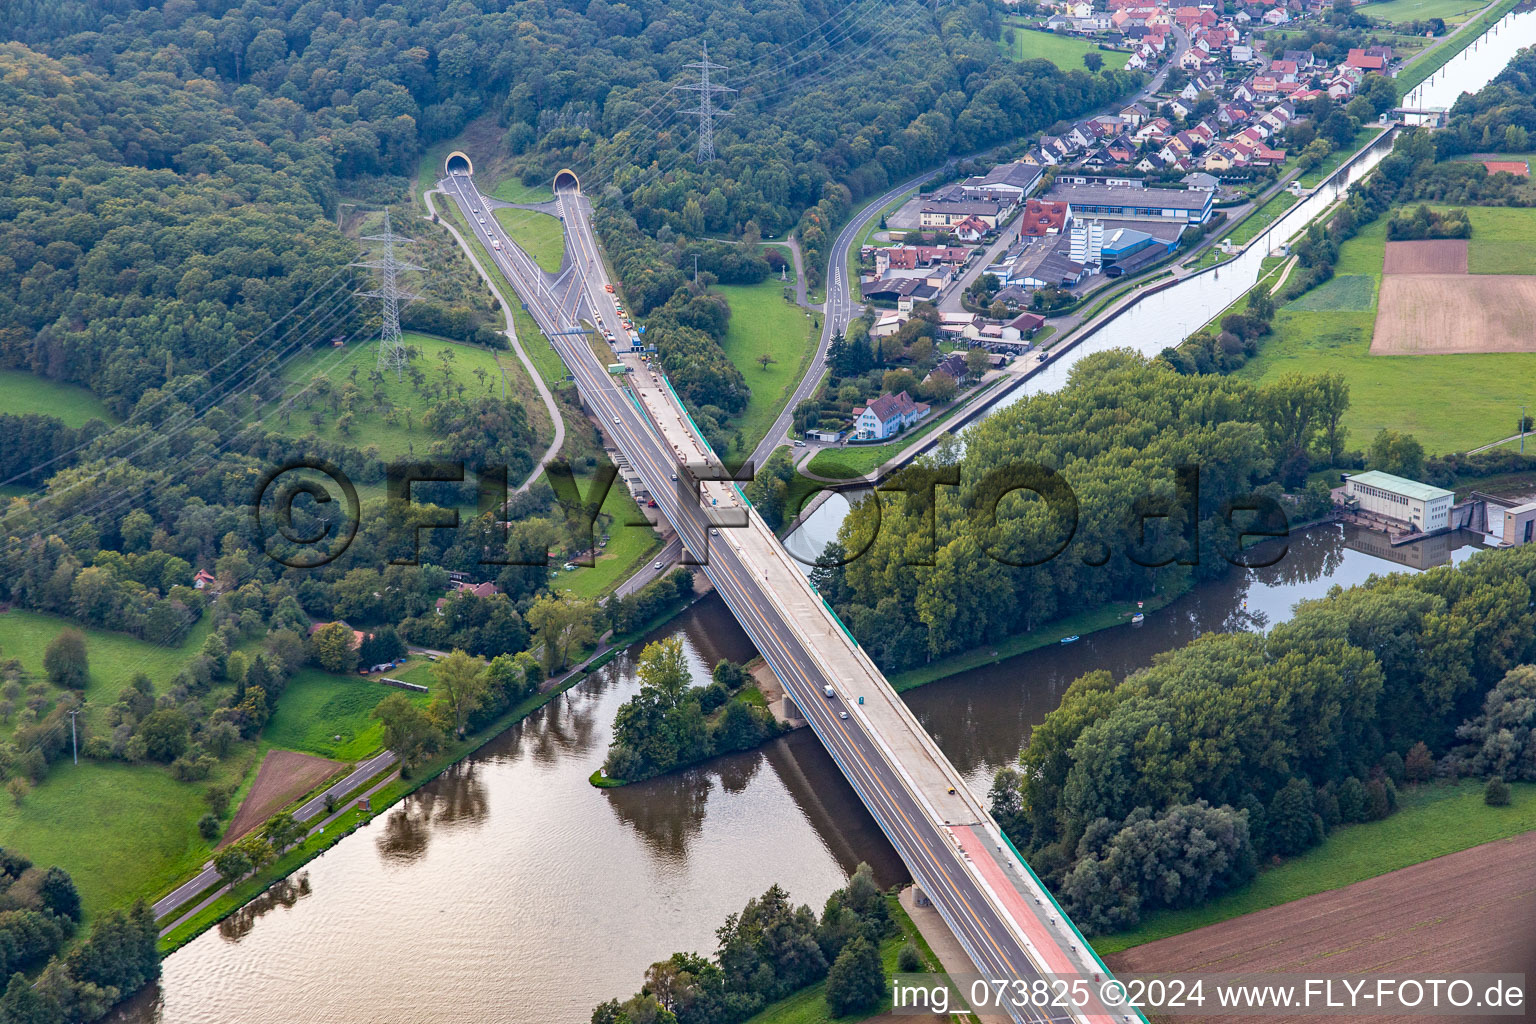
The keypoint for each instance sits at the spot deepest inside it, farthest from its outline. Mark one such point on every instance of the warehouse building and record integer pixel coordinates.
(1119, 202)
(1423, 508)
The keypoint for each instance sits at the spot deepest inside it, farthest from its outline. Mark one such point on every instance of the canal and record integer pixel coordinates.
(509, 889)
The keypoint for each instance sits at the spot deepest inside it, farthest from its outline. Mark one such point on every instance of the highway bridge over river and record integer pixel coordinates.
(1001, 915)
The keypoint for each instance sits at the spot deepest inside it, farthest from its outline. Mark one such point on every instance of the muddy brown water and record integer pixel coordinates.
(511, 890)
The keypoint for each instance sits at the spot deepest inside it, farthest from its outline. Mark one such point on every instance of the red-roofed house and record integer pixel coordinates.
(887, 416)
(203, 579)
(1042, 218)
(1358, 58)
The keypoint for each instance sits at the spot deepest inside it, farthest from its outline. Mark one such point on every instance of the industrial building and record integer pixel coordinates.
(1421, 507)
(1170, 205)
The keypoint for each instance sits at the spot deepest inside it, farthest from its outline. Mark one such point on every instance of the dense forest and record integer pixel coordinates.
(1169, 786)
(1070, 500)
(177, 164)
(39, 914)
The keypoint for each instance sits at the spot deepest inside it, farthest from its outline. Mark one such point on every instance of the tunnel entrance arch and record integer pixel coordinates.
(566, 181)
(459, 163)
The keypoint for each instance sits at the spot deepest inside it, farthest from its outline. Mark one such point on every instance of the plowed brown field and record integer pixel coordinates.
(283, 777)
(1473, 911)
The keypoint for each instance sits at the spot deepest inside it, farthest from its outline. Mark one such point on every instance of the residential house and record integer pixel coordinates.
(1042, 218)
(1276, 16)
(1180, 108)
(972, 229)
(887, 416)
(1025, 324)
(202, 580)
(1201, 181)
(1241, 53)
(952, 366)
(1364, 60)
(1134, 114)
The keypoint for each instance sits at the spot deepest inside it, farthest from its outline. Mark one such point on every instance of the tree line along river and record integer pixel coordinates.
(510, 889)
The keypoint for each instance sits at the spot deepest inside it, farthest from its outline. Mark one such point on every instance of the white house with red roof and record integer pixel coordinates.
(887, 416)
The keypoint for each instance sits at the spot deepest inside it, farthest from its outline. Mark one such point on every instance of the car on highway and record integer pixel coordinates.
(615, 419)
(827, 689)
(714, 532)
(842, 715)
(658, 565)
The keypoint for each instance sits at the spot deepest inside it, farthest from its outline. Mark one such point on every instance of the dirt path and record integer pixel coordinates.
(283, 777)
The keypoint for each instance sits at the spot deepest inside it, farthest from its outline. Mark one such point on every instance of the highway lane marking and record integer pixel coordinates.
(907, 832)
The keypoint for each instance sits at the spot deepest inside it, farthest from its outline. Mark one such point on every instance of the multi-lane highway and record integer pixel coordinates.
(1006, 924)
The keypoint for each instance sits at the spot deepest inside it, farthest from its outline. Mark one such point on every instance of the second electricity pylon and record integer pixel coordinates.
(391, 348)
(706, 111)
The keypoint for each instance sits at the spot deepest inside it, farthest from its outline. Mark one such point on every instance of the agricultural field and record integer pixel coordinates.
(1503, 240)
(1452, 403)
(763, 323)
(1450, 11)
(1448, 313)
(386, 413)
(284, 776)
(540, 235)
(22, 393)
(1460, 907)
(1066, 52)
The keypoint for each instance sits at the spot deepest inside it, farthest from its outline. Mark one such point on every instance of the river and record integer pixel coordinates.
(511, 890)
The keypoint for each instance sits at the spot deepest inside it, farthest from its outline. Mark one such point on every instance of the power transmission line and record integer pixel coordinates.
(391, 346)
(706, 111)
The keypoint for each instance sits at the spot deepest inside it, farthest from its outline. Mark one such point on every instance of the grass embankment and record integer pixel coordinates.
(1431, 821)
(22, 393)
(512, 190)
(1449, 402)
(1333, 161)
(317, 707)
(1081, 624)
(1251, 226)
(404, 429)
(1427, 63)
(540, 235)
(1449, 11)
(809, 1005)
(1066, 52)
(629, 546)
(763, 323)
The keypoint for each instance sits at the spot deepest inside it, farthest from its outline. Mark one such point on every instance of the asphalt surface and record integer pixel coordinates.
(209, 877)
(838, 311)
(927, 847)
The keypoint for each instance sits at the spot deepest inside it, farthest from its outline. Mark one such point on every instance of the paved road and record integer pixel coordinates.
(548, 399)
(838, 311)
(208, 876)
(932, 851)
